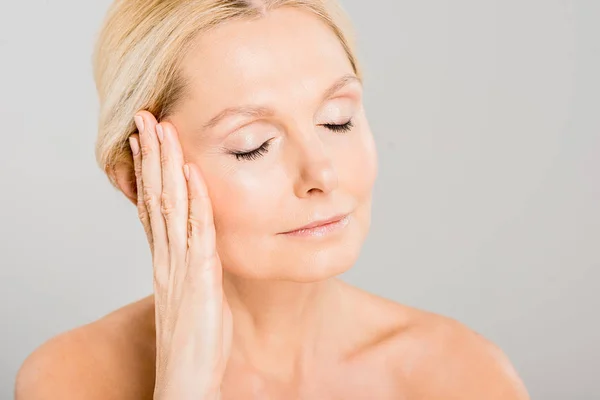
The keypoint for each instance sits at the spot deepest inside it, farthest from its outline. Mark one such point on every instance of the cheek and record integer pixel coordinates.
(243, 201)
(357, 167)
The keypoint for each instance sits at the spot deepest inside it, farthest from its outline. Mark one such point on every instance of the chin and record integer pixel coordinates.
(319, 268)
(299, 265)
(310, 259)
(301, 259)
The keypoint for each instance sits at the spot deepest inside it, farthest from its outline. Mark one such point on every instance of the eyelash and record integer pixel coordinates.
(263, 149)
(340, 128)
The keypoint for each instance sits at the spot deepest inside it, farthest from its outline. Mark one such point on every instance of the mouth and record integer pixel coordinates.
(320, 227)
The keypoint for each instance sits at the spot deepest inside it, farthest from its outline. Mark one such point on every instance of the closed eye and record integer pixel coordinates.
(254, 154)
(263, 149)
(341, 127)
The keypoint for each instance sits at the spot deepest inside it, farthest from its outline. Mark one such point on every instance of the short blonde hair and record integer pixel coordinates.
(140, 47)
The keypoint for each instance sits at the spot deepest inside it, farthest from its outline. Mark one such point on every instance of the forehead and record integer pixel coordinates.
(289, 55)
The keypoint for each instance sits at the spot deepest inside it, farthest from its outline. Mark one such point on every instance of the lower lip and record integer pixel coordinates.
(322, 230)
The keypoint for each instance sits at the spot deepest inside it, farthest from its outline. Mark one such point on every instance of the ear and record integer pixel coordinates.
(124, 175)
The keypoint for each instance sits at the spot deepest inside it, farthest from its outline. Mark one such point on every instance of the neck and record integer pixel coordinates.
(279, 327)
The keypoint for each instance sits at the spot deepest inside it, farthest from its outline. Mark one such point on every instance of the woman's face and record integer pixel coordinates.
(280, 70)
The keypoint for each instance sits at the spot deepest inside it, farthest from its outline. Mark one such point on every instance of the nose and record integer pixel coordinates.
(315, 169)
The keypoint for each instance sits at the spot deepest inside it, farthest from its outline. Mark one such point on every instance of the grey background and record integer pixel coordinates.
(487, 207)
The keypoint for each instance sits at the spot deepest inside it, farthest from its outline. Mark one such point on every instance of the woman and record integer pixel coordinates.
(237, 129)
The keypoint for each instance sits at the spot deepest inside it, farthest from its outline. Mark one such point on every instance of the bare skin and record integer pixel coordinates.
(397, 352)
(298, 332)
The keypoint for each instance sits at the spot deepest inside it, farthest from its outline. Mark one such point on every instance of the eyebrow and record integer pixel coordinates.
(262, 112)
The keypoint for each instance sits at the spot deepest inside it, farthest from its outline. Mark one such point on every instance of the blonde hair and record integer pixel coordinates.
(140, 48)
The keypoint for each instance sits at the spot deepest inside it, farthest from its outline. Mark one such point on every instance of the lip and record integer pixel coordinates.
(320, 223)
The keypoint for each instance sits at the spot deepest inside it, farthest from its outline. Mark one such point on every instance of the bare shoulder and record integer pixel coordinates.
(431, 356)
(443, 358)
(109, 359)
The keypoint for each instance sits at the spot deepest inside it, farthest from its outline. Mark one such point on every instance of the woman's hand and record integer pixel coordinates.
(193, 319)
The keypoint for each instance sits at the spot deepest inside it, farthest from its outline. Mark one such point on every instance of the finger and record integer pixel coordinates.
(203, 272)
(152, 193)
(203, 266)
(174, 200)
(134, 142)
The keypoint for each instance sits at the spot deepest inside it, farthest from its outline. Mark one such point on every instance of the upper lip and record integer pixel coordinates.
(320, 222)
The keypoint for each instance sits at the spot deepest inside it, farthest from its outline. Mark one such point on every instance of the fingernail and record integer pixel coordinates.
(186, 171)
(139, 122)
(135, 148)
(159, 133)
